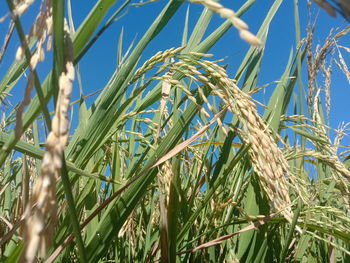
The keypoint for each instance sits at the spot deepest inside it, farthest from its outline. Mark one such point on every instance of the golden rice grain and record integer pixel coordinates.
(236, 22)
(212, 5)
(249, 37)
(239, 23)
(226, 13)
(19, 53)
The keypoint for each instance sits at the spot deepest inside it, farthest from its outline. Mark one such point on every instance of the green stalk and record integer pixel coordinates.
(58, 47)
(291, 231)
(110, 21)
(72, 212)
(58, 67)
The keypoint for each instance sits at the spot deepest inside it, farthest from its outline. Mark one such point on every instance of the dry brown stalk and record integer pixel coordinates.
(28, 171)
(23, 104)
(310, 65)
(42, 207)
(327, 72)
(164, 175)
(253, 225)
(40, 29)
(22, 6)
(326, 6)
(7, 40)
(164, 180)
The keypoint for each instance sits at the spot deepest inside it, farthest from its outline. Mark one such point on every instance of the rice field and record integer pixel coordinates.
(174, 159)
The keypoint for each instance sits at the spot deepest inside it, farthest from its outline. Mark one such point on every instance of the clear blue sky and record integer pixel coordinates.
(100, 62)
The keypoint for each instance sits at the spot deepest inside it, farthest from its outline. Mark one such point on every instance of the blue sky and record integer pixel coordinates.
(99, 64)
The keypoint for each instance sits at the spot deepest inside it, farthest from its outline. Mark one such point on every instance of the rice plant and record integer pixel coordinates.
(174, 159)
